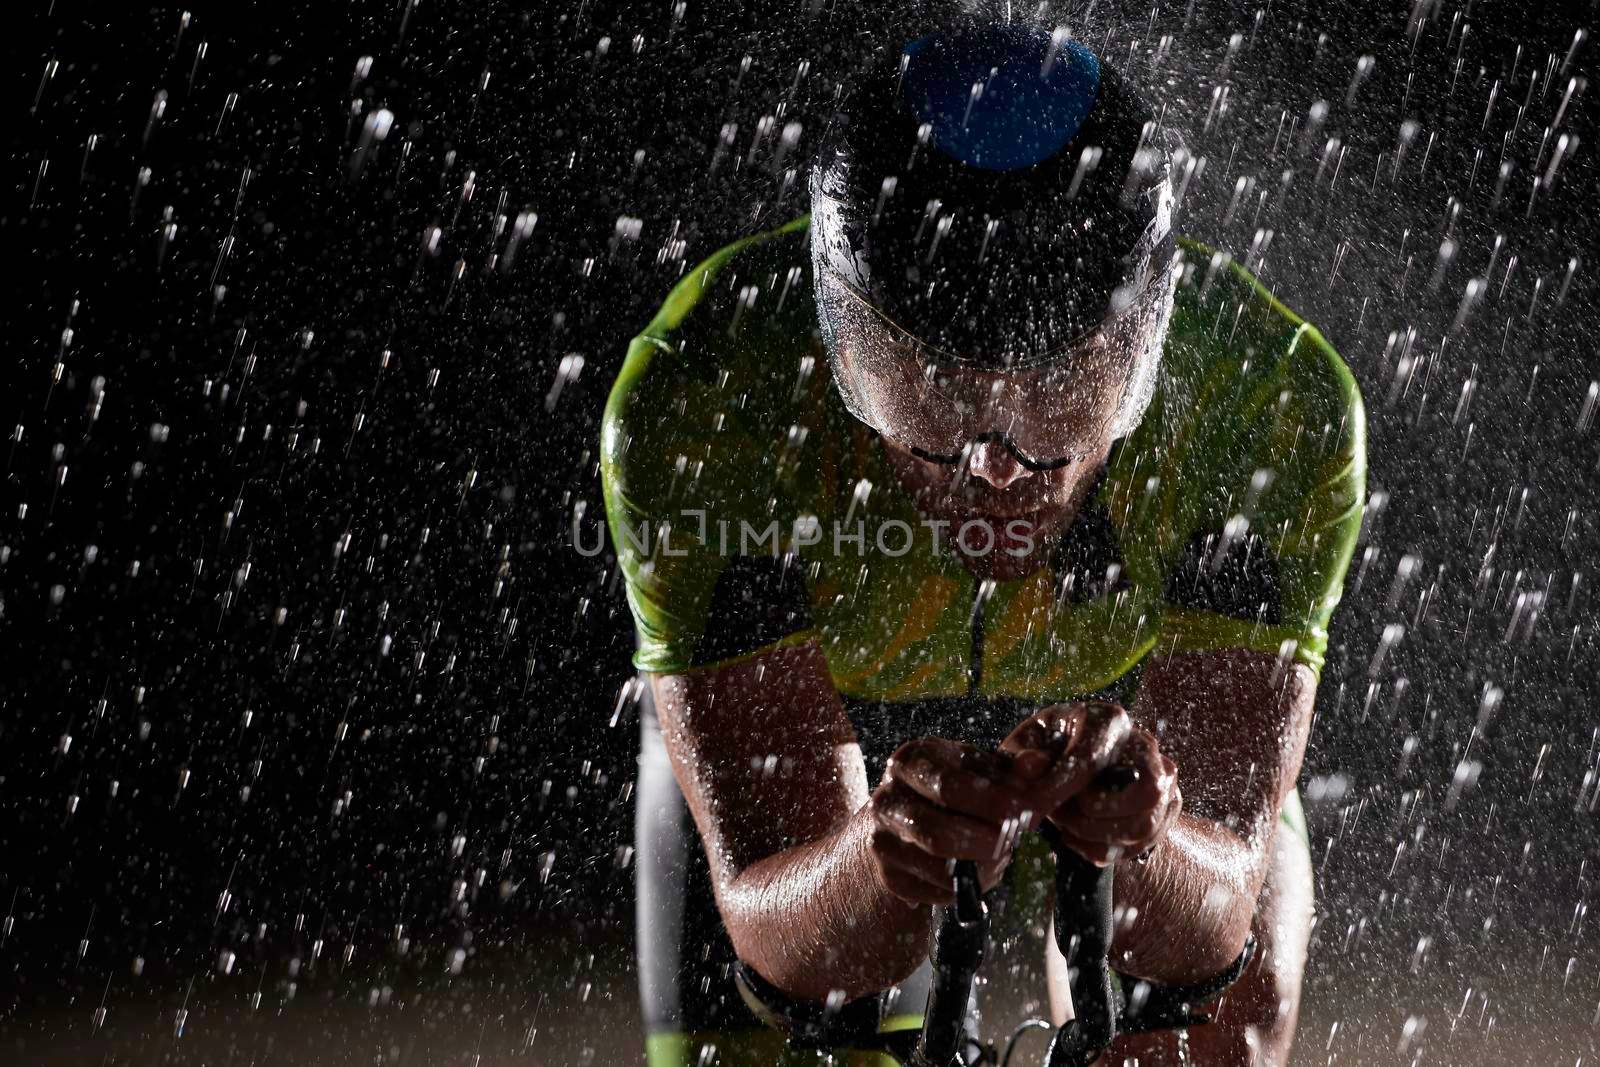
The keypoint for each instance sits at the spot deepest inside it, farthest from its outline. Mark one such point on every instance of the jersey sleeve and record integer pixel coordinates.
(695, 441)
(1274, 486)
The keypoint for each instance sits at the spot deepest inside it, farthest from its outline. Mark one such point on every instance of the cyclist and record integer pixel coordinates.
(1076, 491)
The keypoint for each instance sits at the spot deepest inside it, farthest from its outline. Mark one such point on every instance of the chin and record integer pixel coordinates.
(1005, 561)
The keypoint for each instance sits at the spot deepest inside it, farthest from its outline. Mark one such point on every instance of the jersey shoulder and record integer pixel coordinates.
(757, 284)
(1226, 323)
(1248, 380)
(1255, 450)
(706, 439)
(727, 360)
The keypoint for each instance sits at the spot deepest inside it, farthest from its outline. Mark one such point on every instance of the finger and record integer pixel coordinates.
(1030, 764)
(938, 775)
(936, 875)
(1152, 779)
(1145, 794)
(995, 766)
(1052, 729)
(1041, 732)
(1169, 815)
(1174, 809)
(1105, 728)
(891, 851)
(1135, 834)
(1128, 830)
(939, 831)
(1038, 742)
(913, 890)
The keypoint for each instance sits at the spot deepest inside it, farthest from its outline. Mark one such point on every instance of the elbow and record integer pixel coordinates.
(1196, 954)
(1229, 941)
(1221, 934)
(1189, 944)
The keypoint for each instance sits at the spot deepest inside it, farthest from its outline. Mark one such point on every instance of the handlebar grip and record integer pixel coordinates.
(956, 951)
(1083, 929)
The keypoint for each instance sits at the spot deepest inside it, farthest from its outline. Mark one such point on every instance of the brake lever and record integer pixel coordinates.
(1083, 930)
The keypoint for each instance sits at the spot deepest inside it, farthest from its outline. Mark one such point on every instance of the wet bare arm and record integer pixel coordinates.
(1236, 724)
(769, 764)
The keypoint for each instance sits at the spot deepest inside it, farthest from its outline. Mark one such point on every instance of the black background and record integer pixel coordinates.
(289, 508)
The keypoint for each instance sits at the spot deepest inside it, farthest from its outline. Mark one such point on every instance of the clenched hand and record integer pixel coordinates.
(1060, 752)
(942, 801)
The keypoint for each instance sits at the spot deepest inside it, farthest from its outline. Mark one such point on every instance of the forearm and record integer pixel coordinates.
(815, 919)
(1236, 727)
(1195, 895)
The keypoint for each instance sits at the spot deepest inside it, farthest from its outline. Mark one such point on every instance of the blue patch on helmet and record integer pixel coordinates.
(1002, 98)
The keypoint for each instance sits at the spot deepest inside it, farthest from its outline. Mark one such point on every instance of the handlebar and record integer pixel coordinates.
(1083, 899)
(1083, 931)
(956, 949)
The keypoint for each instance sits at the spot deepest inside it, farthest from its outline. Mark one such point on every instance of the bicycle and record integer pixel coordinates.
(1083, 930)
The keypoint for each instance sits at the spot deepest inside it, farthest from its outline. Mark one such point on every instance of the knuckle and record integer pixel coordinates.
(1103, 711)
(888, 812)
(908, 751)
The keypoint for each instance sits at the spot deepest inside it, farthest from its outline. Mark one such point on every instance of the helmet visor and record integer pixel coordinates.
(1049, 408)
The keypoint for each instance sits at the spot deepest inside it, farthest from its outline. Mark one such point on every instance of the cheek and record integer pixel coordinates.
(1060, 483)
(932, 476)
(920, 476)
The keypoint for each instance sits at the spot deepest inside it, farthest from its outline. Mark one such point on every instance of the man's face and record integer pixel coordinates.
(1021, 509)
(1015, 450)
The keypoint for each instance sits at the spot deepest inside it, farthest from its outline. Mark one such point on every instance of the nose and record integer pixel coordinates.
(995, 464)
